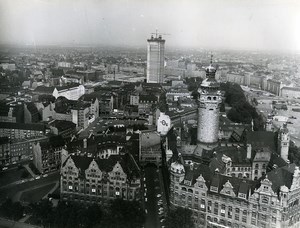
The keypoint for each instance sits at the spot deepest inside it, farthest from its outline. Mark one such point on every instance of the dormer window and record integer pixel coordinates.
(213, 189)
(187, 182)
(242, 195)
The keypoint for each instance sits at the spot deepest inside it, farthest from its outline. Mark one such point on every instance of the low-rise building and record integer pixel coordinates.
(62, 127)
(4, 150)
(290, 92)
(22, 130)
(21, 149)
(150, 147)
(47, 155)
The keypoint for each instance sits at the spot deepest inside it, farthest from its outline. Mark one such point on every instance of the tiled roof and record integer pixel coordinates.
(150, 138)
(67, 87)
(218, 180)
(89, 97)
(281, 176)
(259, 139)
(62, 125)
(31, 107)
(44, 89)
(126, 161)
(24, 126)
(97, 142)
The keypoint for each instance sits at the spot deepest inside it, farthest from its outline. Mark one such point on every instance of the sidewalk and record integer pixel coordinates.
(10, 223)
(29, 170)
(52, 190)
(24, 219)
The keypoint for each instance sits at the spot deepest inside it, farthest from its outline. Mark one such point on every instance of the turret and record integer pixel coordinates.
(177, 175)
(177, 171)
(208, 109)
(283, 142)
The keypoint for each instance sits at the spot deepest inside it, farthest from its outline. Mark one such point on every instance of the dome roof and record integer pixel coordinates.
(210, 69)
(284, 188)
(208, 82)
(177, 167)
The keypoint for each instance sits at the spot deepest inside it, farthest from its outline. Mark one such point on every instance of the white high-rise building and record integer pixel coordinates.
(155, 59)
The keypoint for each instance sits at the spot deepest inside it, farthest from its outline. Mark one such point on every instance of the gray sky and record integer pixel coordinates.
(230, 24)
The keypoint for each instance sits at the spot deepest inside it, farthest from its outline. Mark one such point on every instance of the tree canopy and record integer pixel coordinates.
(241, 110)
(119, 213)
(11, 210)
(179, 218)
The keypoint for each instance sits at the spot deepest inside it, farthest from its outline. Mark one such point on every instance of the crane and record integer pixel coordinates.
(157, 34)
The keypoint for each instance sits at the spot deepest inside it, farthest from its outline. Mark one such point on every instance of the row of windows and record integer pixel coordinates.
(241, 169)
(263, 166)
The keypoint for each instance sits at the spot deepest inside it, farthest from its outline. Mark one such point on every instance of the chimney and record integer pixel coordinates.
(84, 143)
(191, 166)
(249, 150)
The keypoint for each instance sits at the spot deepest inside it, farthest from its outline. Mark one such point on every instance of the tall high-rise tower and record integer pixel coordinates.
(209, 108)
(283, 142)
(155, 59)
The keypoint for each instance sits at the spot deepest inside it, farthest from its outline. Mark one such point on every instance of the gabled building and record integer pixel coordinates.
(244, 181)
(95, 180)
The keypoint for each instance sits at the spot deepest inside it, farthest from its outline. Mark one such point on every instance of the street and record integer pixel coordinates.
(153, 194)
(12, 190)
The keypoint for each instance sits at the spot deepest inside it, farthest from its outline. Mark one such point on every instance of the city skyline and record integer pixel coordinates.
(251, 25)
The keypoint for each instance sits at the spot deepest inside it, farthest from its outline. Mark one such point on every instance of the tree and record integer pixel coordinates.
(43, 212)
(179, 218)
(294, 154)
(125, 214)
(11, 210)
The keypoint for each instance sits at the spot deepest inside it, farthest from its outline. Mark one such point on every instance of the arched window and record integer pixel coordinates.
(265, 200)
(256, 166)
(264, 166)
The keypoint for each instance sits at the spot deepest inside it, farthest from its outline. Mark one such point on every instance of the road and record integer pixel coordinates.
(152, 188)
(12, 190)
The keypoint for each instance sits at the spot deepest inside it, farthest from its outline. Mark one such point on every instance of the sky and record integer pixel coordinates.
(224, 24)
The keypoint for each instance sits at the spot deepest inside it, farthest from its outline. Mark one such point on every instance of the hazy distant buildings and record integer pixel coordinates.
(155, 59)
(290, 92)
